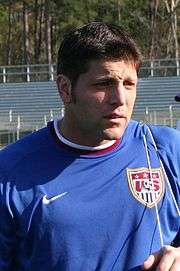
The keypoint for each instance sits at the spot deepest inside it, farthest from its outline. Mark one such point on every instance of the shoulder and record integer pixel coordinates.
(14, 153)
(167, 141)
(166, 138)
(163, 135)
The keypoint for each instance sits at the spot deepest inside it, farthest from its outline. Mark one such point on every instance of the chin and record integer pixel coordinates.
(113, 134)
(115, 131)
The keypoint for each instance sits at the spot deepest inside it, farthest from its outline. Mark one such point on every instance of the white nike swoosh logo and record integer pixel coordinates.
(45, 200)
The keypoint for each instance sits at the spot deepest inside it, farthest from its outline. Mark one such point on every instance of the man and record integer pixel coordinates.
(90, 192)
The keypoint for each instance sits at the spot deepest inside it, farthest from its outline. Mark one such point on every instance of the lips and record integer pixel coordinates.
(114, 116)
(114, 119)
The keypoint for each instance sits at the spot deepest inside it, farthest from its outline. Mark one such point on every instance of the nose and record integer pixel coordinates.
(118, 95)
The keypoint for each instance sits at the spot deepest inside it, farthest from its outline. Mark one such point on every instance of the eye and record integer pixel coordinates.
(129, 84)
(106, 83)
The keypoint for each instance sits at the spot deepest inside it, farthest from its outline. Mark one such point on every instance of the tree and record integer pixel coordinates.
(9, 36)
(153, 27)
(47, 16)
(34, 28)
(171, 7)
(26, 33)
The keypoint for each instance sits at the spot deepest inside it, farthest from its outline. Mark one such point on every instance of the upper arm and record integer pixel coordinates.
(7, 230)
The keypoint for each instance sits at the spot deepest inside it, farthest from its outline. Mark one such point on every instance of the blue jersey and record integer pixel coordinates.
(61, 209)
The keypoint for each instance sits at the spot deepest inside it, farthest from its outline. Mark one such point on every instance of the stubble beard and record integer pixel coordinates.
(114, 133)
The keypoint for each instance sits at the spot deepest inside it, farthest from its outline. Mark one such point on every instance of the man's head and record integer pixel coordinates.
(95, 41)
(97, 78)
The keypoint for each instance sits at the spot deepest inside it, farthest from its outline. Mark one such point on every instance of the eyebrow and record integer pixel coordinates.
(114, 79)
(104, 80)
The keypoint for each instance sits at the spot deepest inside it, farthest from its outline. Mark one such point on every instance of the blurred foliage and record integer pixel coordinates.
(134, 15)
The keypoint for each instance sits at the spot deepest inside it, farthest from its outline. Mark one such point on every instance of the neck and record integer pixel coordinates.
(73, 133)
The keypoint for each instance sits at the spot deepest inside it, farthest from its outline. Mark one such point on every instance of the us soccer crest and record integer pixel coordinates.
(147, 187)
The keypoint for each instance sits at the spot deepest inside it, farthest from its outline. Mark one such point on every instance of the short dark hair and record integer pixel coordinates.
(96, 40)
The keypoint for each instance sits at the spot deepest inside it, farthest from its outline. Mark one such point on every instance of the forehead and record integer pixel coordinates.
(113, 69)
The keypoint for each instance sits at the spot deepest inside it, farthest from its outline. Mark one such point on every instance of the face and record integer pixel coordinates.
(102, 103)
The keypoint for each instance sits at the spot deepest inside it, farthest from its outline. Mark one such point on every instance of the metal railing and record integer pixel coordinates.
(13, 127)
(170, 116)
(27, 73)
(45, 72)
(160, 67)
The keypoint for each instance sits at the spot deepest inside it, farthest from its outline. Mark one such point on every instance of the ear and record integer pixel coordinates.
(64, 88)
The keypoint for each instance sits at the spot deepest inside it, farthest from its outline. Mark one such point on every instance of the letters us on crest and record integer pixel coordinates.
(146, 186)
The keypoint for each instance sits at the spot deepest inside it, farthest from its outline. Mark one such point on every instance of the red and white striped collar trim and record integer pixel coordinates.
(84, 149)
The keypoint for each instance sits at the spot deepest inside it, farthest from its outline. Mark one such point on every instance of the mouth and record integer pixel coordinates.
(115, 118)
